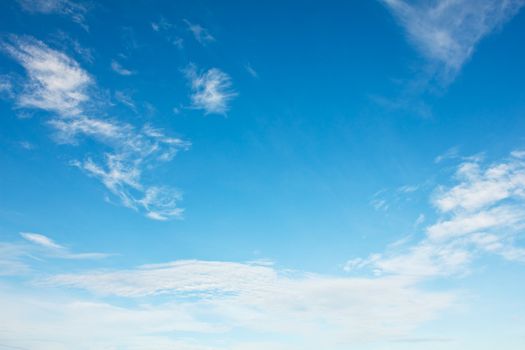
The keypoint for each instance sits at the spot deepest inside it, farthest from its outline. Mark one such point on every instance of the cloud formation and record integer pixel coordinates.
(213, 302)
(69, 8)
(17, 258)
(117, 68)
(57, 84)
(218, 299)
(447, 31)
(200, 33)
(484, 212)
(212, 90)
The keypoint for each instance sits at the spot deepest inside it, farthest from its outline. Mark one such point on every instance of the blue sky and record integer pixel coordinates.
(262, 175)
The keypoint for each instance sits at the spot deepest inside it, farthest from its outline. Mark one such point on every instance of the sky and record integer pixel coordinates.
(249, 175)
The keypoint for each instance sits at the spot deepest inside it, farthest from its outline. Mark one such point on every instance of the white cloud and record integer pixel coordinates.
(502, 217)
(5, 85)
(40, 240)
(16, 258)
(56, 83)
(200, 33)
(72, 9)
(484, 212)
(481, 188)
(117, 67)
(223, 298)
(212, 90)
(447, 31)
(251, 70)
(161, 24)
(54, 250)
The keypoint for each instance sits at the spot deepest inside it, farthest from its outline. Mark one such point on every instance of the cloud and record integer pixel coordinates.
(17, 258)
(69, 8)
(40, 240)
(200, 33)
(251, 71)
(57, 84)
(212, 90)
(446, 32)
(483, 212)
(196, 304)
(223, 298)
(5, 85)
(161, 24)
(117, 67)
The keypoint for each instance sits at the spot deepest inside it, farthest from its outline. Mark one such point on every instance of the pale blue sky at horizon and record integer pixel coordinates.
(244, 175)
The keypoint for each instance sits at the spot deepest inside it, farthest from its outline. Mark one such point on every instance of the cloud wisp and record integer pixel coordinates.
(57, 84)
(446, 32)
(17, 258)
(200, 33)
(484, 212)
(216, 300)
(212, 90)
(117, 68)
(68, 8)
(213, 302)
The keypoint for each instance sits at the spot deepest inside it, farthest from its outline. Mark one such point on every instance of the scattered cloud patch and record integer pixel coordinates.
(57, 84)
(261, 299)
(484, 212)
(446, 32)
(40, 240)
(69, 8)
(211, 90)
(161, 24)
(251, 71)
(451, 153)
(200, 33)
(17, 258)
(117, 68)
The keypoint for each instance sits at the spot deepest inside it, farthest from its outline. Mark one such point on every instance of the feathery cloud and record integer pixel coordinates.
(56, 83)
(200, 33)
(483, 213)
(212, 90)
(447, 31)
(69, 8)
(117, 68)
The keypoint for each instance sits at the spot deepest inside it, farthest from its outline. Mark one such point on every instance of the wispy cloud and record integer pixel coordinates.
(446, 32)
(73, 9)
(211, 90)
(161, 24)
(5, 85)
(218, 300)
(57, 84)
(117, 68)
(484, 212)
(55, 250)
(251, 70)
(261, 298)
(200, 33)
(40, 240)
(17, 258)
